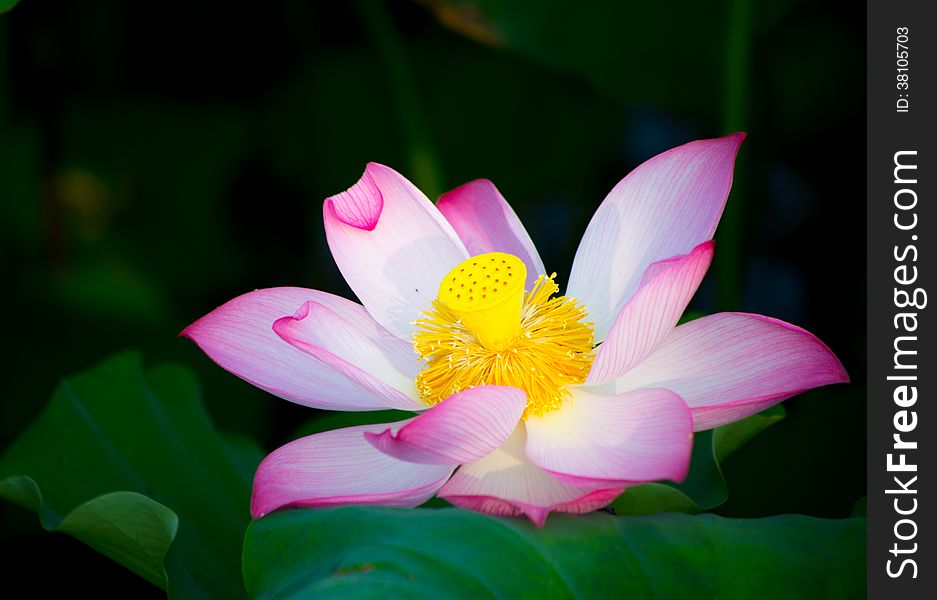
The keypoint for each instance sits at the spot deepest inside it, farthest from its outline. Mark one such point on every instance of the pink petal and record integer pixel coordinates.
(665, 207)
(728, 366)
(379, 363)
(486, 223)
(636, 437)
(651, 313)
(339, 467)
(239, 337)
(465, 427)
(392, 246)
(506, 483)
(360, 206)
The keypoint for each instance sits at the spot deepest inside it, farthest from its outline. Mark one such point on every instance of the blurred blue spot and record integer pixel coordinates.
(791, 201)
(651, 131)
(775, 288)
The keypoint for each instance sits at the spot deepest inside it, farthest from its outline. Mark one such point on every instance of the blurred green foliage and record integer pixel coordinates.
(127, 460)
(156, 163)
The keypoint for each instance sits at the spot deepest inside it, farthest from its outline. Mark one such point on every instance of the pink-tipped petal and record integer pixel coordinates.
(506, 483)
(369, 357)
(392, 246)
(728, 366)
(239, 337)
(486, 223)
(465, 427)
(359, 206)
(636, 437)
(489, 505)
(665, 207)
(340, 467)
(651, 313)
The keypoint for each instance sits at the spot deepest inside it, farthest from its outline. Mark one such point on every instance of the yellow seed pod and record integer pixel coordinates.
(486, 292)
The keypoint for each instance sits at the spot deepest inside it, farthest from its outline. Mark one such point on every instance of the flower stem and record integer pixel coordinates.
(737, 56)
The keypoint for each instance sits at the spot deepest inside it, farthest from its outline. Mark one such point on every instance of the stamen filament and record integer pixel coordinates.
(550, 348)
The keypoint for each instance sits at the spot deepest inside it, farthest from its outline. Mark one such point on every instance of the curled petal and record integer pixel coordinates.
(379, 363)
(239, 337)
(651, 314)
(339, 467)
(506, 483)
(728, 366)
(665, 207)
(635, 437)
(392, 246)
(486, 223)
(465, 427)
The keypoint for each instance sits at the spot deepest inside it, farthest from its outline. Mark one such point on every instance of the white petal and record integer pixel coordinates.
(392, 246)
(665, 207)
(506, 483)
(728, 366)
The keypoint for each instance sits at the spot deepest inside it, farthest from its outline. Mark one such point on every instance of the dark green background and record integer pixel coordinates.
(158, 159)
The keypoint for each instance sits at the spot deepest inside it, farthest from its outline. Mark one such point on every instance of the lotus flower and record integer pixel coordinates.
(527, 402)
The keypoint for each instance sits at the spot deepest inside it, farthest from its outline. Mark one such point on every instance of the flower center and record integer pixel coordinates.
(484, 329)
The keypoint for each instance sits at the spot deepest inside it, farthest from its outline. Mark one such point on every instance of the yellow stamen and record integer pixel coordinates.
(533, 342)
